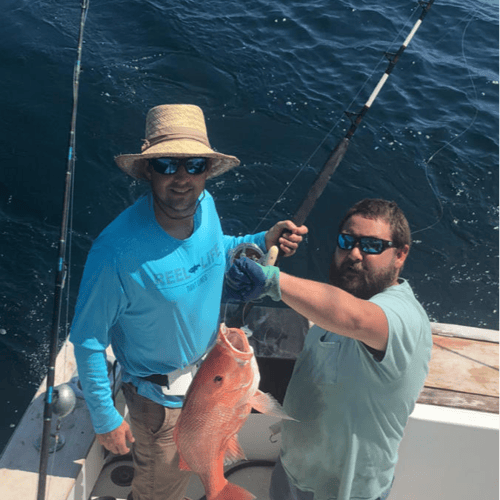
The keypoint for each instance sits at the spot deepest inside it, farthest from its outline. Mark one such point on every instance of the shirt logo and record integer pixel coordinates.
(183, 275)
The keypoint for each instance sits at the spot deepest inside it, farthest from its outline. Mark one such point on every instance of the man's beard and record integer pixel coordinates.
(359, 282)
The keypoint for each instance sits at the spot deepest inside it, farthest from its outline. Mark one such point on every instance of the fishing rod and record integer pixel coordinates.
(333, 161)
(340, 150)
(61, 270)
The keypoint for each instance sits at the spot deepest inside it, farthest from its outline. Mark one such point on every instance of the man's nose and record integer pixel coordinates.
(182, 174)
(355, 253)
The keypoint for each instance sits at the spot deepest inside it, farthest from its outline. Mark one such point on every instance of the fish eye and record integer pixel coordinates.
(217, 378)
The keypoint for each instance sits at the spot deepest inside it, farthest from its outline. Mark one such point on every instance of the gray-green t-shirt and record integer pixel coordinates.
(352, 408)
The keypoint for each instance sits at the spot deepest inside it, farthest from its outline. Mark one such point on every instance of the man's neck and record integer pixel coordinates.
(180, 229)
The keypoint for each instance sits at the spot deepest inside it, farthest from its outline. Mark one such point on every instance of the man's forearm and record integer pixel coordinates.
(335, 310)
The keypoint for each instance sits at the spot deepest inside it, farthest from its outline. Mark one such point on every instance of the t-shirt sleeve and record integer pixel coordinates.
(407, 325)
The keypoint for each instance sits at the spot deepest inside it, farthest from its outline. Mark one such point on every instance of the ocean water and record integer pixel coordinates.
(274, 79)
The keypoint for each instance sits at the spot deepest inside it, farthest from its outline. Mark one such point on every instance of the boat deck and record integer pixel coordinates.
(463, 373)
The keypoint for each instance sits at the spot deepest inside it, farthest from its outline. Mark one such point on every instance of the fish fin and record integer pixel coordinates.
(265, 403)
(233, 492)
(234, 452)
(183, 464)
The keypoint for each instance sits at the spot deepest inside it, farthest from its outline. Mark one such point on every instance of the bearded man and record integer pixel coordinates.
(363, 364)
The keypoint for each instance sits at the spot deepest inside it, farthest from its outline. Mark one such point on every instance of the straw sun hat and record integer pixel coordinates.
(175, 130)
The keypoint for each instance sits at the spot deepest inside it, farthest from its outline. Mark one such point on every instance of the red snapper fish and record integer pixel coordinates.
(218, 401)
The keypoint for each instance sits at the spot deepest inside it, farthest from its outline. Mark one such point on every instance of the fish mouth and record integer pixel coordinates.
(236, 341)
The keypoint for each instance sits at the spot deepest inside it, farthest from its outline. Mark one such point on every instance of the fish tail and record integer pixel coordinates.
(233, 492)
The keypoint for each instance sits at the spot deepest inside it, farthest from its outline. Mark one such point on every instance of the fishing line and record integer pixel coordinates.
(426, 162)
(340, 118)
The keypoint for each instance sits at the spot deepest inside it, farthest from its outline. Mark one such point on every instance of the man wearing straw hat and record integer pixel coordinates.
(152, 288)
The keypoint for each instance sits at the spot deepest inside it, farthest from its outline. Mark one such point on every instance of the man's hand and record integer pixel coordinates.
(247, 280)
(116, 440)
(286, 235)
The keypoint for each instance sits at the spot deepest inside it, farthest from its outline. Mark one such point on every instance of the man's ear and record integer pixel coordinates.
(401, 254)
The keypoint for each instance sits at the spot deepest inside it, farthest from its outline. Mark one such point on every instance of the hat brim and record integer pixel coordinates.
(135, 164)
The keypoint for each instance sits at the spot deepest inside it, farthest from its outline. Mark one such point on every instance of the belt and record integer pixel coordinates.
(175, 383)
(158, 379)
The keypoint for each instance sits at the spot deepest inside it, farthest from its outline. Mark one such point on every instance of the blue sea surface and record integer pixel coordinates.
(274, 79)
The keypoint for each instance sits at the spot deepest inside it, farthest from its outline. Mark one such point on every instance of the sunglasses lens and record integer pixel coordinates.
(165, 165)
(368, 245)
(345, 242)
(196, 166)
(169, 166)
(372, 245)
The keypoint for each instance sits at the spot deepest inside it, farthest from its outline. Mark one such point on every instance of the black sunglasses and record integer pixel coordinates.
(367, 244)
(169, 166)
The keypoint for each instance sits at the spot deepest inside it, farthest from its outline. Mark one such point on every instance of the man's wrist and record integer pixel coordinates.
(272, 285)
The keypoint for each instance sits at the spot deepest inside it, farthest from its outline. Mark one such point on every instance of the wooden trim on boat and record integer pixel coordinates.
(463, 372)
(466, 332)
(454, 399)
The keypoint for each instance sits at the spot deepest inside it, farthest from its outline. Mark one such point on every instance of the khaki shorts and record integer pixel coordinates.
(156, 461)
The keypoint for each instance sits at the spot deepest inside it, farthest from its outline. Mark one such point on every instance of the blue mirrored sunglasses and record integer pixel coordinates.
(169, 166)
(367, 244)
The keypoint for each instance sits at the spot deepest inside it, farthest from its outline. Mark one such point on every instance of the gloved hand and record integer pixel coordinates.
(246, 280)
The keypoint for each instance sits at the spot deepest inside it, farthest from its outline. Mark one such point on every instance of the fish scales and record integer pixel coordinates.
(216, 406)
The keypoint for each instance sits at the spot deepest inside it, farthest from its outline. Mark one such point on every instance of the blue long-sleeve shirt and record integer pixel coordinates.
(154, 298)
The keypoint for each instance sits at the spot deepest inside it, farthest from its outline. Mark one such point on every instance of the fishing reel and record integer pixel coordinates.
(250, 250)
(253, 252)
(64, 402)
